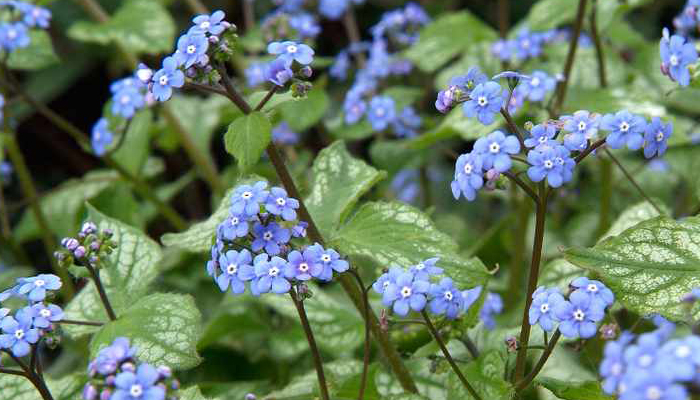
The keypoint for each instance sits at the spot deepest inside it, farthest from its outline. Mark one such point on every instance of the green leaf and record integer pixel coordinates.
(20, 388)
(338, 327)
(304, 113)
(398, 234)
(133, 152)
(619, 98)
(164, 328)
(191, 393)
(247, 137)
(559, 273)
(199, 117)
(455, 124)
(337, 127)
(567, 390)
(650, 266)
(486, 377)
(125, 274)
(438, 41)
(632, 216)
(305, 387)
(142, 26)
(339, 180)
(64, 204)
(38, 55)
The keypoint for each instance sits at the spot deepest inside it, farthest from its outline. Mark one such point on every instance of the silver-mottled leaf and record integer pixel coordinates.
(19, 388)
(632, 216)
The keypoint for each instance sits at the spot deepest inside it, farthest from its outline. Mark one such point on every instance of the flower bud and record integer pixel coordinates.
(213, 39)
(70, 243)
(106, 394)
(128, 367)
(143, 73)
(528, 126)
(306, 71)
(88, 228)
(108, 233)
(384, 321)
(165, 371)
(95, 246)
(609, 331)
(175, 384)
(250, 396)
(89, 392)
(512, 344)
(79, 252)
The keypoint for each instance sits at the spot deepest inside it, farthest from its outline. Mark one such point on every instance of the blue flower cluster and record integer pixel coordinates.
(396, 30)
(14, 34)
(421, 285)
(29, 324)
(290, 23)
(283, 134)
(528, 44)
(279, 71)
(578, 315)
(334, 9)
(655, 366)
(688, 21)
(253, 245)
(677, 54)
(115, 374)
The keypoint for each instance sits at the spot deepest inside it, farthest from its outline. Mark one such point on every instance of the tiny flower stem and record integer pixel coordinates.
(560, 91)
(101, 291)
(540, 363)
(448, 356)
(318, 363)
(606, 190)
(513, 126)
(353, 32)
(267, 97)
(602, 76)
(35, 379)
(74, 322)
(365, 358)
(589, 150)
(532, 281)
(11, 371)
(471, 347)
(523, 186)
(633, 181)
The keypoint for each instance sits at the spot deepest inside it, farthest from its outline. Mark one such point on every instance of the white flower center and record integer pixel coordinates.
(543, 139)
(579, 315)
(39, 283)
(191, 49)
(535, 81)
(247, 195)
(303, 267)
(682, 351)
(659, 136)
(125, 99)
(559, 160)
(544, 308)
(274, 271)
(654, 393)
(45, 312)
(291, 49)
(581, 126)
(280, 201)
(621, 388)
(673, 60)
(448, 296)
(281, 76)
(19, 334)
(326, 258)
(12, 33)
(234, 221)
(136, 390)
(645, 360)
(420, 266)
(494, 148)
(592, 287)
(616, 369)
(406, 291)
(380, 112)
(482, 101)
(163, 80)
(468, 168)
(624, 126)
(205, 25)
(232, 269)
(526, 43)
(267, 235)
(386, 284)
(548, 164)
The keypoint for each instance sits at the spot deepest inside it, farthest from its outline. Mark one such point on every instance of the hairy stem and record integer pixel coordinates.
(365, 358)
(560, 91)
(448, 356)
(35, 379)
(606, 190)
(318, 363)
(633, 181)
(589, 150)
(74, 322)
(471, 347)
(532, 281)
(540, 363)
(516, 278)
(513, 126)
(101, 290)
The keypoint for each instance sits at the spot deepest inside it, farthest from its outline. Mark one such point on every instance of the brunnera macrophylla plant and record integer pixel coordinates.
(310, 277)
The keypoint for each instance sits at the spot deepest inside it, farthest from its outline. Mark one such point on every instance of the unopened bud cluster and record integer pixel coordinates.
(88, 248)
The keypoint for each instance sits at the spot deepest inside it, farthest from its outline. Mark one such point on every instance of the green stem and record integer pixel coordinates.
(532, 281)
(503, 18)
(425, 186)
(318, 363)
(540, 363)
(448, 356)
(516, 278)
(606, 190)
(365, 358)
(602, 76)
(248, 15)
(29, 190)
(633, 181)
(560, 91)
(35, 379)
(74, 322)
(353, 32)
(101, 291)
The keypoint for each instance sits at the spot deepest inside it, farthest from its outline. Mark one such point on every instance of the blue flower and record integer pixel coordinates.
(583, 127)
(541, 134)
(167, 78)
(381, 112)
(469, 81)
(292, 51)
(676, 56)
(303, 266)
(255, 73)
(35, 288)
(213, 263)
(503, 49)
(494, 150)
(138, 386)
(332, 9)
(305, 24)
(330, 261)
(511, 75)
(233, 227)
(192, 48)
(278, 203)
(127, 101)
(527, 45)
(493, 304)
(407, 122)
(656, 137)
(35, 16)
(339, 69)
(538, 85)
(644, 354)
(484, 102)
(652, 386)
(283, 134)
(470, 297)
(425, 269)
(109, 358)
(542, 308)
(18, 333)
(579, 315)
(129, 82)
(354, 109)
(44, 315)
(551, 162)
(236, 268)
(209, 23)
(270, 275)
(246, 199)
(270, 237)
(446, 299)
(278, 72)
(299, 230)
(406, 293)
(14, 36)
(681, 357)
(612, 368)
(386, 279)
(595, 289)
(101, 137)
(624, 128)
